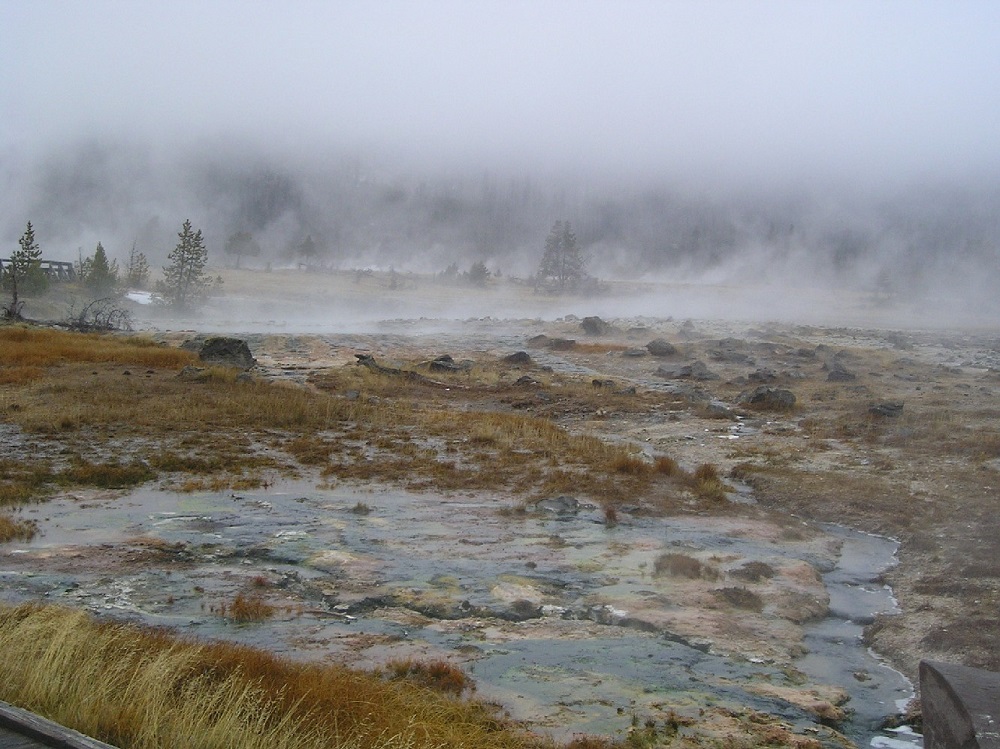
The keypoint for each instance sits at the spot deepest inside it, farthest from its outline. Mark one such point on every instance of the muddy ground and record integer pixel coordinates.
(893, 431)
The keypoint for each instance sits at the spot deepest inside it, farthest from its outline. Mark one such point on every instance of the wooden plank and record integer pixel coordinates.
(12, 740)
(46, 732)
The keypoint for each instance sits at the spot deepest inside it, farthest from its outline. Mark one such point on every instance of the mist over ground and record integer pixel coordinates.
(776, 145)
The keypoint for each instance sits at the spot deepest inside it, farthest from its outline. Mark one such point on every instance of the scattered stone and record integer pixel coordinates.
(766, 397)
(191, 372)
(731, 350)
(661, 347)
(229, 352)
(596, 326)
(888, 410)
(695, 371)
(445, 364)
(518, 359)
(763, 374)
(526, 381)
(839, 373)
(560, 344)
(563, 505)
(598, 383)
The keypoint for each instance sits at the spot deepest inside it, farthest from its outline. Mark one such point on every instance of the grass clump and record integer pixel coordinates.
(145, 689)
(106, 475)
(676, 564)
(245, 609)
(12, 529)
(436, 674)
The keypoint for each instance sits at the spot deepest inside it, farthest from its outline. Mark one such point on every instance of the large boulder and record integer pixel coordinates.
(229, 352)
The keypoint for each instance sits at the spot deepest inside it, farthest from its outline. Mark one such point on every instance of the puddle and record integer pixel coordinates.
(564, 621)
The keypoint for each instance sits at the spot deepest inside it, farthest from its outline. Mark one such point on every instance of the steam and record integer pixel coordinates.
(772, 146)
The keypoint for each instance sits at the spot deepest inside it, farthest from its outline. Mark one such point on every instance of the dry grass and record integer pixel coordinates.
(12, 529)
(244, 609)
(677, 564)
(141, 689)
(29, 350)
(359, 425)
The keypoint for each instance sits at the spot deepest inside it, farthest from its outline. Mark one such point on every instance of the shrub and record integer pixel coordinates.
(439, 675)
(683, 565)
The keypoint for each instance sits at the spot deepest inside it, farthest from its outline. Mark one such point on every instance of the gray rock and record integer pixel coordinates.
(660, 347)
(635, 352)
(229, 352)
(766, 397)
(517, 359)
(839, 373)
(563, 505)
(886, 410)
(595, 326)
(694, 371)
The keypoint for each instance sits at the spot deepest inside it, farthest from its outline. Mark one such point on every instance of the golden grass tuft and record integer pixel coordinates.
(435, 674)
(16, 530)
(245, 609)
(148, 689)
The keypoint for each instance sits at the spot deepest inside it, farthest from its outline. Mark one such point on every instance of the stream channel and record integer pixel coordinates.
(572, 626)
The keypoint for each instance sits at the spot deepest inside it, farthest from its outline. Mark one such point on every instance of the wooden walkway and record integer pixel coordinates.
(20, 729)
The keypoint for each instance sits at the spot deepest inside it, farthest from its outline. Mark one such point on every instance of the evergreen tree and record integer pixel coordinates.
(137, 272)
(185, 283)
(562, 263)
(478, 274)
(98, 275)
(23, 271)
(242, 244)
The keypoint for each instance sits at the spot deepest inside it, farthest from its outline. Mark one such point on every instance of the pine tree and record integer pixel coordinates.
(242, 244)
(562, 263)
(137, 272)
(23, 271)
(99, 276)
(185, 283)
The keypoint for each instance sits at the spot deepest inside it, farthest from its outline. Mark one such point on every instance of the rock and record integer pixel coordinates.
(563, 505)
(191, 372)
(595, 326)
(635, 352)
(839, 373)
(229, 352)
(765, 397)
(763, 374)
(731, 350)
(886, 410)
(660, 347)
(694, 371)
(539, 341)
(444, 364)
(518, 359)
(560, 344)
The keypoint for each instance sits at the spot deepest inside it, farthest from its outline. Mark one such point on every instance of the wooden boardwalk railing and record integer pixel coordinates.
(20, 729)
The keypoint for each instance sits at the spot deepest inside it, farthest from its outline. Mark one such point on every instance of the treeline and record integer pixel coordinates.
(348, 213)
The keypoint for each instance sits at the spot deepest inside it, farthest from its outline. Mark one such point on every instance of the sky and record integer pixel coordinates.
(862, 91)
